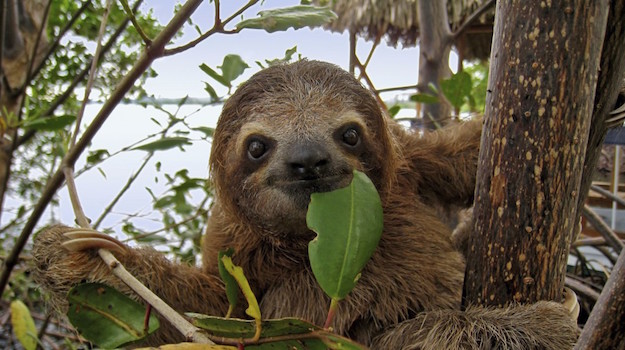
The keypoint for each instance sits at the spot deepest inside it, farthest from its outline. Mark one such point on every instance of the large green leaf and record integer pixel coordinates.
(457, 89)
(348, 223)
(107, 317)
(164, 144)
(290, 17)
(23, 325)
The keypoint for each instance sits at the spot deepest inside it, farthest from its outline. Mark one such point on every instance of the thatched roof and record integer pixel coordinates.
(398, 22)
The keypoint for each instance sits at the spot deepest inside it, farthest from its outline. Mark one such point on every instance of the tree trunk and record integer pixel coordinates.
(543, 74)
(611, 76)
(434, 47)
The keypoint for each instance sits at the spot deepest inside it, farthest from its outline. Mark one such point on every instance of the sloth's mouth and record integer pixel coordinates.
(300, 190)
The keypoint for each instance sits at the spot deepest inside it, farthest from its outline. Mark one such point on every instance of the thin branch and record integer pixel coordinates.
(133, 19)
(398, 88)
(363, 75)
(607, 194)
(370, 55)
(148, 56)
(217, 28)
(605, 231)
(472, 18)
(92, 74)
(123, 190)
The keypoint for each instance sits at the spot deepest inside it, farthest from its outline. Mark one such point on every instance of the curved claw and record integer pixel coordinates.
(616, 117)
(619, 110)
(570, 302)
(84, 239)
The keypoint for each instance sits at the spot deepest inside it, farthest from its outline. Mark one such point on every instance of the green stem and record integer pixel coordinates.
(333, 306)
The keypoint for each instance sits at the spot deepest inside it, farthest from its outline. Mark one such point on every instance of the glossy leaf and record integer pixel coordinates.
(457, 89)
(49, 123)
(164, 144)
(232, 67)
(23, 325)
(232, 289)
(290, 17)
(107, 317)
(348, 223)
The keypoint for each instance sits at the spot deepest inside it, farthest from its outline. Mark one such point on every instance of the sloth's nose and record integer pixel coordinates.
(308, 161)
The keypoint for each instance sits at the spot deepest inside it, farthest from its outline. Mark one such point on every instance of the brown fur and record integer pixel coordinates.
(410, 292)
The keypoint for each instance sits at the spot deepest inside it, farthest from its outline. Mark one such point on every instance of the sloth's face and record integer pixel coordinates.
(292, 130)
(285, 158)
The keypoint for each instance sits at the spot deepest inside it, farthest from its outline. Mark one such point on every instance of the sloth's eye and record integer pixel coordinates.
(256, 149)
(350, 137)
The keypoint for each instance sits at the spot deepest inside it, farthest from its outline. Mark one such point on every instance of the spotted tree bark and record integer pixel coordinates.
(543, 74)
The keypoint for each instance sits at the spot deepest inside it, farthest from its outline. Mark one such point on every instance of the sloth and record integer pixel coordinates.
(295, 129)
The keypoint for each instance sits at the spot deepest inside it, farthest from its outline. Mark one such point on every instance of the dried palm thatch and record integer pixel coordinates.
(398, 20)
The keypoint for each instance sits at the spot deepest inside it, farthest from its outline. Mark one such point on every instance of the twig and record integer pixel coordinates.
(472, 18)
(130, 181)
(133, 19)
(607, 194)
(370, 55)
(605, 231)
(92, 74)
(217, 28)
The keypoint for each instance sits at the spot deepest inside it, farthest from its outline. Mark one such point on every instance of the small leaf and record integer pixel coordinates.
(348, 223)
(208, 70)
(49, 123)
(237, 272)
(457, 88)
(107, 317)
(23, 325)
(424, 98)
(209, 132)
(232, 289)
(290, 17)
(232, 67)
(164, 144)
(394, 110)
(211, 92)
(96, 156)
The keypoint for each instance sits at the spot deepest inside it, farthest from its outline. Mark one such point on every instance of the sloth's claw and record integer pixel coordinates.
(84, 239)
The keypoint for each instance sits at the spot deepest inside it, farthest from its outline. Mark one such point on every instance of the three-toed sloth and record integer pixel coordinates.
(295, 129)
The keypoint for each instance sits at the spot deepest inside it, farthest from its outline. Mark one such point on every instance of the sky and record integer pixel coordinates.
(180, 76)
